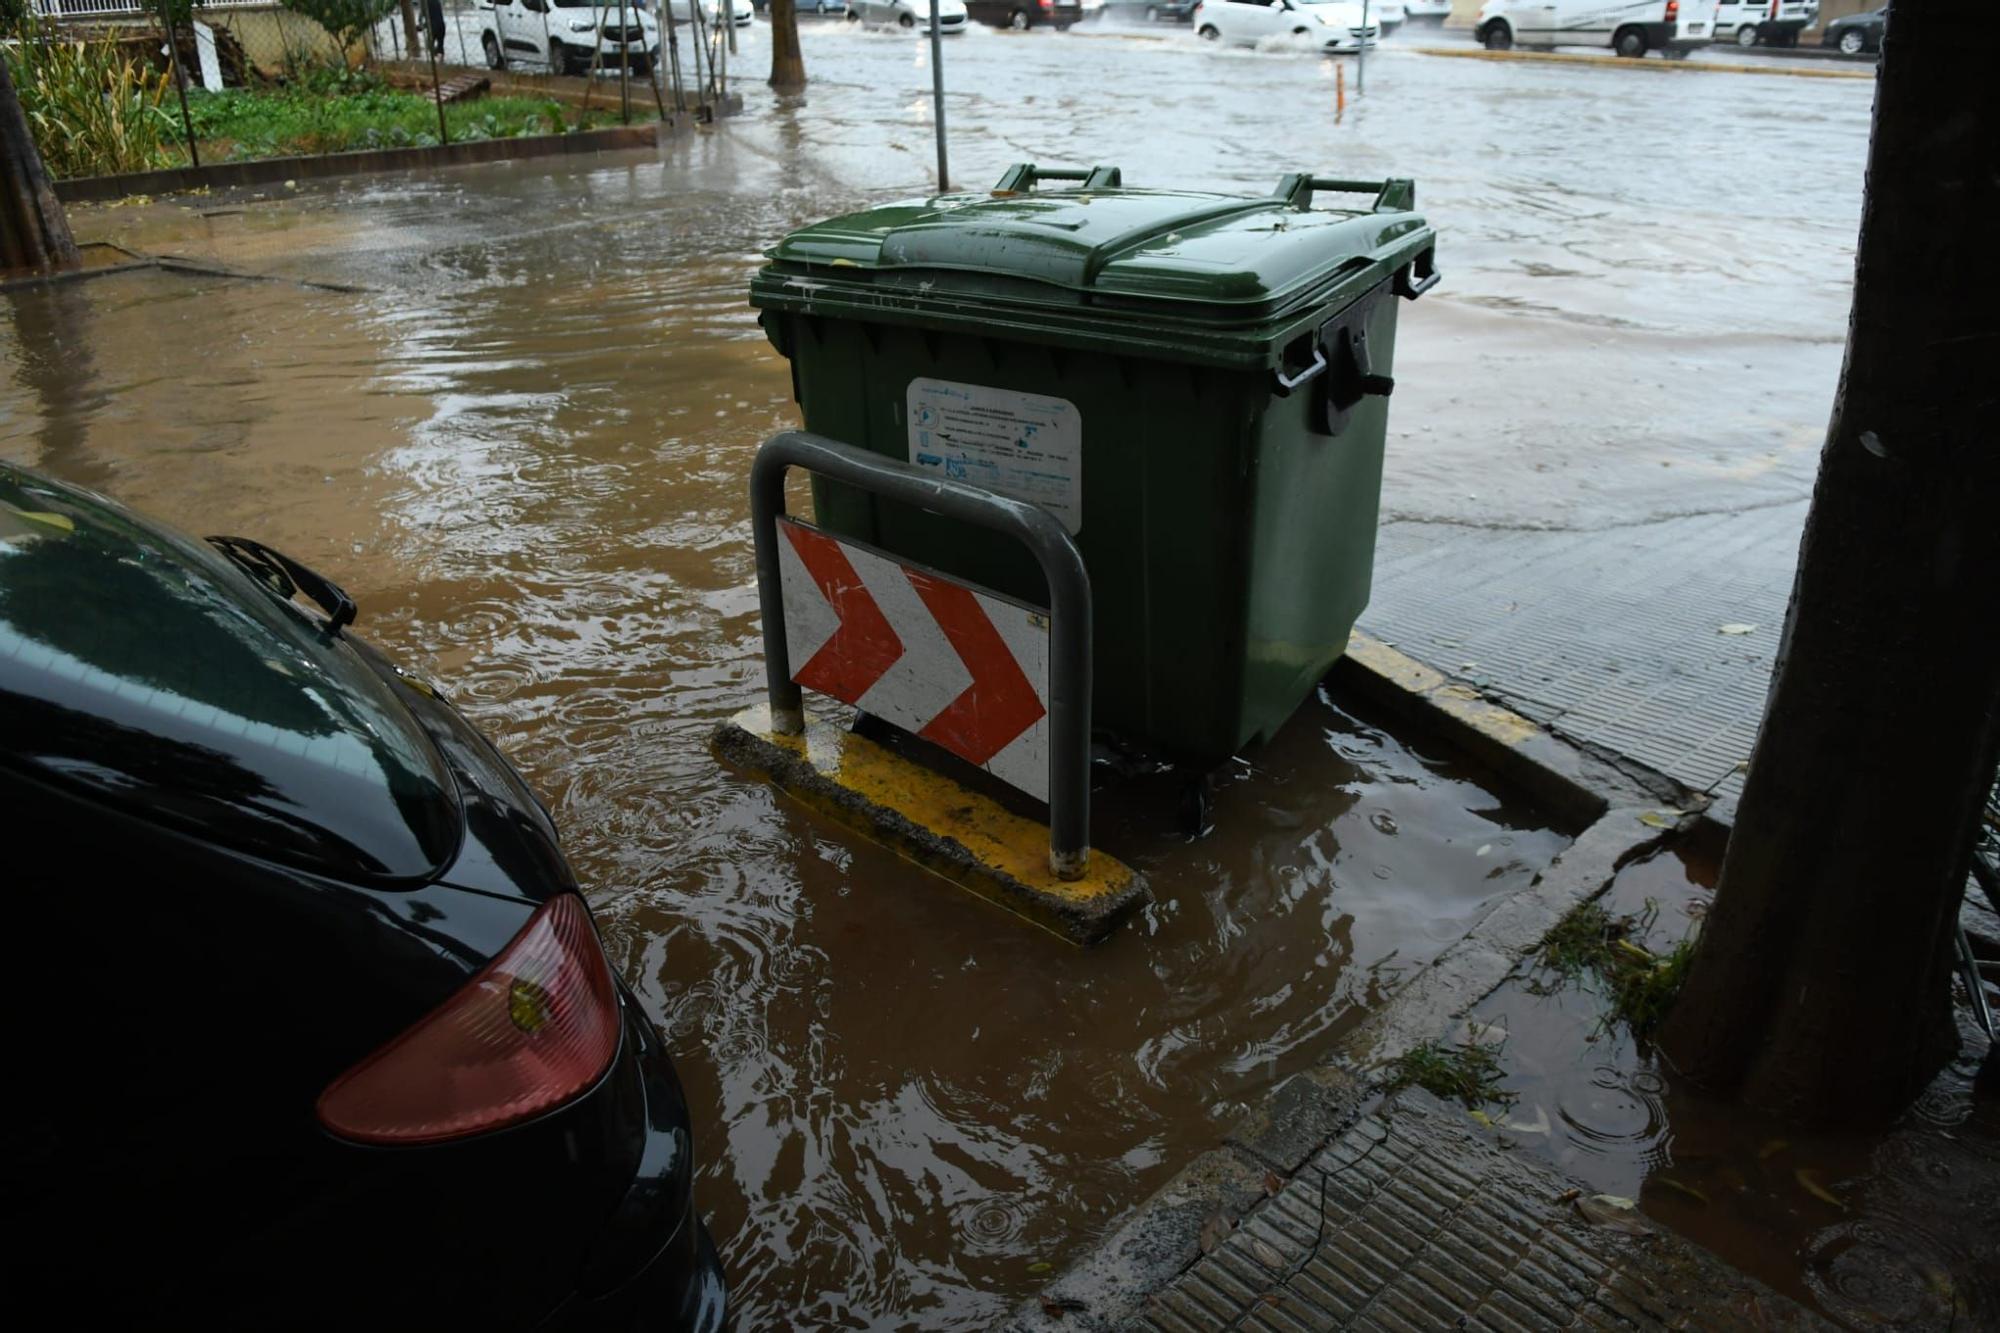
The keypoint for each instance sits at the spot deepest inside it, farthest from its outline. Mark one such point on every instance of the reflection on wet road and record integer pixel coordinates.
(524, 449)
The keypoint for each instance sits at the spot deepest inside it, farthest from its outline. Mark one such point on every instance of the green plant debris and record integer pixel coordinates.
(1640, 984)
(1469, 1074)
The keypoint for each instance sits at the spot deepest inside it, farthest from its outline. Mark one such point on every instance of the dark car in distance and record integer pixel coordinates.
(316, 1029)
(1024, 14)
(1857, 33)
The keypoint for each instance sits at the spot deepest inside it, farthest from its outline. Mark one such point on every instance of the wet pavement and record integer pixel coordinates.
(523, 447)
(1897, 1229)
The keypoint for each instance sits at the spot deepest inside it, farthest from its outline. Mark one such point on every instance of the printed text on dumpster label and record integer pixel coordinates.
(1025, 445)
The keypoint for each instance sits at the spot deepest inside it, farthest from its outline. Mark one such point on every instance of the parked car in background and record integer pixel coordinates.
(1332, 25)
(1629, 27)
(1857, 33)
(1153, 11)
(1388, 14)
(821, 6)
(909, 13)
(1089, 10)
(1764, 22)
(326, 1038)
(1427, 11)
(568, 36)
(711, 11)
(1024, 14)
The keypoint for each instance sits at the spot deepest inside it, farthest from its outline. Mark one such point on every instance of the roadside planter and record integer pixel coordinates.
(1192, 386)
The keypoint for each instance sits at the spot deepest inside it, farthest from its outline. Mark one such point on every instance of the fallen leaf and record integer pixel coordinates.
(1055, 1307)
(1539, 1125)
(1688, 1190)
(1273, 1182)
(1656, 819)
(1267, 1254)
(1043, 1267)
(1609, 1210)
(1569, 1196)
(1483, 1118)
(1734, 628)
(1214, 1231)
(1809, 1180)
(1484, 849)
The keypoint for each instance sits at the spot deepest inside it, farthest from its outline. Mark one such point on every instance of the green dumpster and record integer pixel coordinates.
(1195, 384)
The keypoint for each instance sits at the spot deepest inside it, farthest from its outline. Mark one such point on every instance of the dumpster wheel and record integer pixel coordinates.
(1197, 806)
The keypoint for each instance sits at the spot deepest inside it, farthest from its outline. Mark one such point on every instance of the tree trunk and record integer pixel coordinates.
(788, 62)
(34, 230)
(409, 28)
(1821, 990)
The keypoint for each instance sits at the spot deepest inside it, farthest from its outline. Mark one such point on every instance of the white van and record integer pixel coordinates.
(1629, 27)
(1771, 22)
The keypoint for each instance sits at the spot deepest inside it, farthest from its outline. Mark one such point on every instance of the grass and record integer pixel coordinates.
(243, 123)
(1469, 1074)
(1640, 984)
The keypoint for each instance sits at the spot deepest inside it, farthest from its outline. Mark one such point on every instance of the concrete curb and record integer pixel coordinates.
(1628, 811)
(270, 170)
(1620, 62)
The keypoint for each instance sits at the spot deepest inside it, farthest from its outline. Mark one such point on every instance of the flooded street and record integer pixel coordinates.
(522, 444)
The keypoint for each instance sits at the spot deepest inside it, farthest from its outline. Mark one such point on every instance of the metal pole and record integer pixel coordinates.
(180, 81)
(937, 98)
(624, 65)
(437, 95)
(1038, 530)
(673, 50)
(1361, 54)
(729, 15)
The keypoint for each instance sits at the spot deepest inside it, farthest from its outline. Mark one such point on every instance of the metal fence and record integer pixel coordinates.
(175, 90)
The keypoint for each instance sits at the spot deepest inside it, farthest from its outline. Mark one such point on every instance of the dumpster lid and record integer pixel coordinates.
(1221, 257)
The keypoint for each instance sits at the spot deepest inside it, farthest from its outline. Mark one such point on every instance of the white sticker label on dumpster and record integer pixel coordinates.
(1023, 445)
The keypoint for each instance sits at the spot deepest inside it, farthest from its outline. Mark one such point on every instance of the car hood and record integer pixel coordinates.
(147, 669)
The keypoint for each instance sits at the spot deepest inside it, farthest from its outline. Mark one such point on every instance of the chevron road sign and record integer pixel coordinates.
(961, 667)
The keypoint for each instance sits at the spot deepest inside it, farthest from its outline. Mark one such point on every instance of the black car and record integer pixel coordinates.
(1857, 33)
(314, 1028)
(1024, 13)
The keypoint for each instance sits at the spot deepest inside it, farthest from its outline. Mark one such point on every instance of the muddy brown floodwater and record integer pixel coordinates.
(907, 1104)
(523, 447)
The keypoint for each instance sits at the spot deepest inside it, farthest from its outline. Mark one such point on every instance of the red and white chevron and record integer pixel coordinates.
(956, 665)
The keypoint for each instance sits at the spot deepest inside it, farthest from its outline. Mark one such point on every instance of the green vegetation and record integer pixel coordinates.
(1640, 984)
(242, 123)
(92, 108)
(1469, 1074)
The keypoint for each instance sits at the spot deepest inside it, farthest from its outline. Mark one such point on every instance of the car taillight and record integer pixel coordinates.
(534, 1029)
(1673, 10)
(1048, 4)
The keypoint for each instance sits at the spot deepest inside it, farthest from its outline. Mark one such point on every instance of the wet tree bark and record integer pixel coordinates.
(409, 28)
(1821, 990)
(34, 230)
(788, 62)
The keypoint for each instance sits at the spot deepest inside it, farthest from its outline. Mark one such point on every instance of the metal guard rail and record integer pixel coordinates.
(1062, 565)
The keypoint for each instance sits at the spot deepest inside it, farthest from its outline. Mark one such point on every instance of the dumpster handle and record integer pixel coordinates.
(1022, 177)
(1287, 383)
(1395, 195)
(1038, 530)
(1410, 283)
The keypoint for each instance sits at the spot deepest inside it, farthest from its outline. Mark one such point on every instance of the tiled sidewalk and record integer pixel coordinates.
(1612, 637)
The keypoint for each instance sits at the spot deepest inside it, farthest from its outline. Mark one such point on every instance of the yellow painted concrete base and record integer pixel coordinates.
(941, 825)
